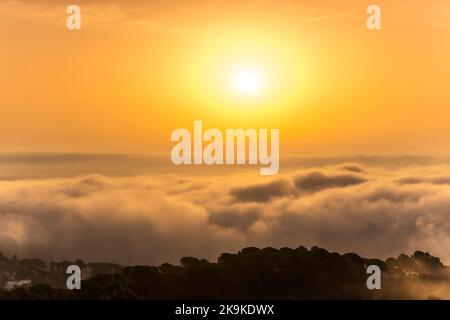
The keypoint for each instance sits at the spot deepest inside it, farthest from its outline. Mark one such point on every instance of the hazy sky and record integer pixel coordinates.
(138, 70)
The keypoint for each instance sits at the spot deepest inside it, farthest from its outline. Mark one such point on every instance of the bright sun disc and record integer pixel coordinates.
(247, 82)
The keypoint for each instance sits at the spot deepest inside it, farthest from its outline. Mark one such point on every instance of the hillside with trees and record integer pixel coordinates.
(252, 273)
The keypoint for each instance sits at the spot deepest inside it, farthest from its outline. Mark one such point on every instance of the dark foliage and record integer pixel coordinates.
(252, 273)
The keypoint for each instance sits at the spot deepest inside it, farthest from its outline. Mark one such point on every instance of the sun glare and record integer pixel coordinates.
(247, 82)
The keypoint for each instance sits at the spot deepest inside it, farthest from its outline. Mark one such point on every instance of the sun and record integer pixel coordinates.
(247, 82)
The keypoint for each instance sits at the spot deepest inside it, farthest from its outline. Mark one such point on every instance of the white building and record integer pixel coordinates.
(10, 285)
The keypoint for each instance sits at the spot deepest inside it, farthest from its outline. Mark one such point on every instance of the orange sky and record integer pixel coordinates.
(136, 71)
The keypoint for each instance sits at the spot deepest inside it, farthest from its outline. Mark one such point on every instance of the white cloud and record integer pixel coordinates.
(160, 218)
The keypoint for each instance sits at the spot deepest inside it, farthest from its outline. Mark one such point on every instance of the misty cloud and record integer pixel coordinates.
(433, 180)
(235, 217)
(262, 192)
(356, 168)
(160, 218)
(316, 180)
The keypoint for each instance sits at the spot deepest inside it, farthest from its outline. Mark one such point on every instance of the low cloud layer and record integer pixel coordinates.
(153, 219)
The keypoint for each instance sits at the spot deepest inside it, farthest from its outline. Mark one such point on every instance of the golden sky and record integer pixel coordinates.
(137, 70)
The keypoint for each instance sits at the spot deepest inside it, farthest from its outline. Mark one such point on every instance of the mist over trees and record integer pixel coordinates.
(252, 273)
